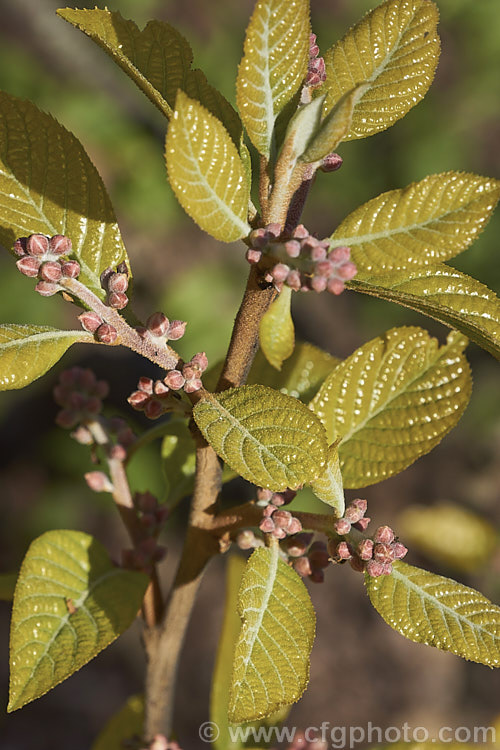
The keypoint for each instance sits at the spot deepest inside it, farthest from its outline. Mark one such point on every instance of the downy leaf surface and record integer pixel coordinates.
(277, 332)
(442, 293)
(329, 486)
(394, 49)
(428, 608)
(48, 185)
(273, 67)
(27, 352)
(392, 401)
(70, 603)
(270, 439)
(271, 661)
(426, 222)
(206, 172)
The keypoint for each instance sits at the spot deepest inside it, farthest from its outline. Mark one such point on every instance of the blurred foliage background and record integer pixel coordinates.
(190, 276)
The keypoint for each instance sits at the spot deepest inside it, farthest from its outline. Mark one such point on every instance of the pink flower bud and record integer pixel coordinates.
(174, 379)
(59, 244)
(200, 360)
(384, 534)
(93, 405)
(176, 330)
(105, 276)
(246, 539)
(253, 256)
(264, 495)
(399, 550)
(294, 526)
(383, 553)
(122, 268)
(269, 510)
(363, 523)
(106, 334)
(374, 568)
(191, 386)
(335, 286)
(146, 385)
(342, 526)
(160, 388)
(302, 566)
(343, 551)
(318, 283)
(300, 232)
(339, 254)
(19, 246)
(293, 280)
(280, 272)
(361, 504)
(90, 321)
(71, 269)
(318, 252)
(293, 248)
(51, 271)
(331, 163)
(117, 282)
(98, 481)
(282, 519)
(353, 514)
(258, 238)
(266, 525)
(28, 266)
(82, 435)
(154, 409)
(46, 289)
(37, 245)
(274, 229)
(365, 549)
(278, 532)
(117, 300)
(118, 452)
(137, 400)
(347, 270)
(297, 545)
(158, 324)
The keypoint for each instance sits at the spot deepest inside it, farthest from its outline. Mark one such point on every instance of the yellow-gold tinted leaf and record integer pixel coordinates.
(277, 332)
(48, 185)
(273, 67)
(27, 352)
(329, 486)
(428, 221)
(428, 608)
(270, 439)
(392, 401)
(394, 49)
(444, 294)
(301, 374)
(271, 661)
(70, 603)
(449, 534)
(206, 171)
(123, 726)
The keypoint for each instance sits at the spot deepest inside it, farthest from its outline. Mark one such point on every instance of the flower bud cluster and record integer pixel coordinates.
(279, 523)
(374, 555)
(316, 72)
(144, 556)
(115, 283)
(299, 260)
(80, 395)
(153, 397)
(42, 257)
(159, 329)
(150, 513)
(309, 563)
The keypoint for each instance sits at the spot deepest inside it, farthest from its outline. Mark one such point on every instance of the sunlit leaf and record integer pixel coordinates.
(27, 352)
(329, 486)
(444, 294)
(277, 332)
(206, 171)
(7, 586)
(428, 221)
(270, 439)
(427, 608)
(123, 726)
(301, 374)
(271, 661)
(273, 67)
(70, 603)
(394, 49)
(48, 185)
(392, 401)
(449, 534)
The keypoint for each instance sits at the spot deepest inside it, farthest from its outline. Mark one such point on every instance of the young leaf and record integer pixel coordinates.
(158, 59)
(206, 171)
(270, 439)
(394, 49)
(428, 221)
(277, 333)
(392, 401)
(427, 608)
(123, 726)
(7, 586)
(329, 486)
(271, 662)
(70, 603)
(300, 376)
(50, 186)
(444, 294)
(273, 67)
(334, 127)
(27, 352)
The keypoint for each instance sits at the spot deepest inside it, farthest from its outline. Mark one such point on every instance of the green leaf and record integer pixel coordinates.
(157, 58)
(206, 171)
(428, 221)
(394, 49)
(270, 439)
(301, 374)
(7, 586)
(392, 401)
(123, 726)
(277, 332)
(449, 534)
(329, 486)
(431, 609)
(48, 185)
(444, 294)
(271, 662)
(27, 352)
(273, 67)
(334, 127)
(70, 603)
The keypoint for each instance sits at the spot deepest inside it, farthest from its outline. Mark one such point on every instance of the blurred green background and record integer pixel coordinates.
(190, 276)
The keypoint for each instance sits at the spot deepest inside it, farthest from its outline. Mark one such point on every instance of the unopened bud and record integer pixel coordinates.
(117, 300)
(46, 289)
(82, 435)
(293, 280)
(246, 539)
(264, 495)
(342, 526)
(67, 418)
(118, 452)
(28, 266)
(200, 360)
(267, 525)
(98, 481)
(318, 283)
(176, 330)
(353, 514)
(339, 254)
(293, 248)
(158, 324)
(19, 246)
(347, 271)
(174, 380)
(365, 549)
(37, 244)
(274, 229)
(70, 269)
(59, 244)
(384, 534)
(375, 568)
(331, 163)
(191, 386)
(302, 566)
(106, 334)
(253, 256)
(297, 545)
(122, 268)
(51, 271)
(280, 272)
(363, 523)
(335, 286)
(137, 400)
(300, 232)
(160, 388)
(117, 282)
(399, 550)
(90, 321)
(294, 526)
(383, 553)
(145, 384)
(343, 551)
(154, 409)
